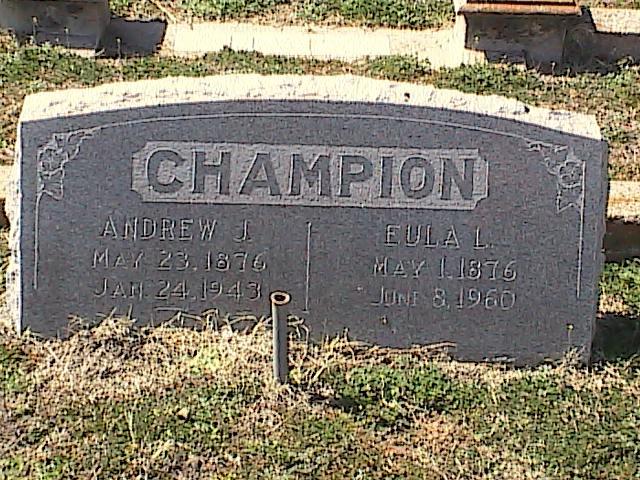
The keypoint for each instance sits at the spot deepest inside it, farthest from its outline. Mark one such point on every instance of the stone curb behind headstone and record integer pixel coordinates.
(443, 48)
(623, 229)
(624, 201)
(622, 239)
(613, 20)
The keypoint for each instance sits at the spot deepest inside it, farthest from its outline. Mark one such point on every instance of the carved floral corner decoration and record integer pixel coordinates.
(52, 158)
(562, 163)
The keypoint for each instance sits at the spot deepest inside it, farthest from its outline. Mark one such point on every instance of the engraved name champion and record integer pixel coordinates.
(311, 175)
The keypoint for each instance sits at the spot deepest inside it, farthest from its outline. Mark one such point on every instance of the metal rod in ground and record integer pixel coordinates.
(280, 337)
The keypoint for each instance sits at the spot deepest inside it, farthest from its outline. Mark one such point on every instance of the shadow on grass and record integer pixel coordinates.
(617, 337)
(132, 38)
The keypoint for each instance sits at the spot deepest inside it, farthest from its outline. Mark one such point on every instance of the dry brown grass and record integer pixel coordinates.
(116, 363)
(612, 304)
(279, 15)
(633, 4)
(115, 367)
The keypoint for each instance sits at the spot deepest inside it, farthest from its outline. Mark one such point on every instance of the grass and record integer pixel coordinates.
(391, 395)
(621, 282)
(613, 97)
(114, 401)
(417, 14)
(578, 435)
(633, 4)
(394, 13)
(373, 13)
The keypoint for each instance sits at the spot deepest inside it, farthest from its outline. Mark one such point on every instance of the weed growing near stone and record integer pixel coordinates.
(391, 395)
(11, 371)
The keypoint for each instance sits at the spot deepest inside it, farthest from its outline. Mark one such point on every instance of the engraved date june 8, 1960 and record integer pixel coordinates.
(446, 299)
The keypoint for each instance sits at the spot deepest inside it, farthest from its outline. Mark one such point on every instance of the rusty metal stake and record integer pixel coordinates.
(280, 338)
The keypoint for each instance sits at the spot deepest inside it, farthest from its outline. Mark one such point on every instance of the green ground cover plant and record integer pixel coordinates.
(613, 97)
(579, 435)
(392, 13)
(395, 13)
(213, 9)
(418, 14)
(390, 395)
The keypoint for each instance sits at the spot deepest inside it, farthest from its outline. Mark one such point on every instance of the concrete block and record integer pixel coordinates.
(537, 38)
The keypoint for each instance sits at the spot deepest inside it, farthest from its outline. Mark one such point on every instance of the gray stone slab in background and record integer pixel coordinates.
(406, 215)
(70, 23)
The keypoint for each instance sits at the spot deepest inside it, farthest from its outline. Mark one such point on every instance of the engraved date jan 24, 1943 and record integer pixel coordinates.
(190, 289)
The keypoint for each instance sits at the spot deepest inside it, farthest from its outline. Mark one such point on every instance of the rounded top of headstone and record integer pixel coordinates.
(344, 88)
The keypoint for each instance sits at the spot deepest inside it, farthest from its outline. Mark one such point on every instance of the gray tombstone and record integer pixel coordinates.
(399, 213)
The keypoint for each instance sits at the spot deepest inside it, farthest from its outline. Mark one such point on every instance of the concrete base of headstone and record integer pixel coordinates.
(70, 23)
(400, 213)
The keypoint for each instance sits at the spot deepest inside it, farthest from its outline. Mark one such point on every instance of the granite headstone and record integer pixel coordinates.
(400, 213)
